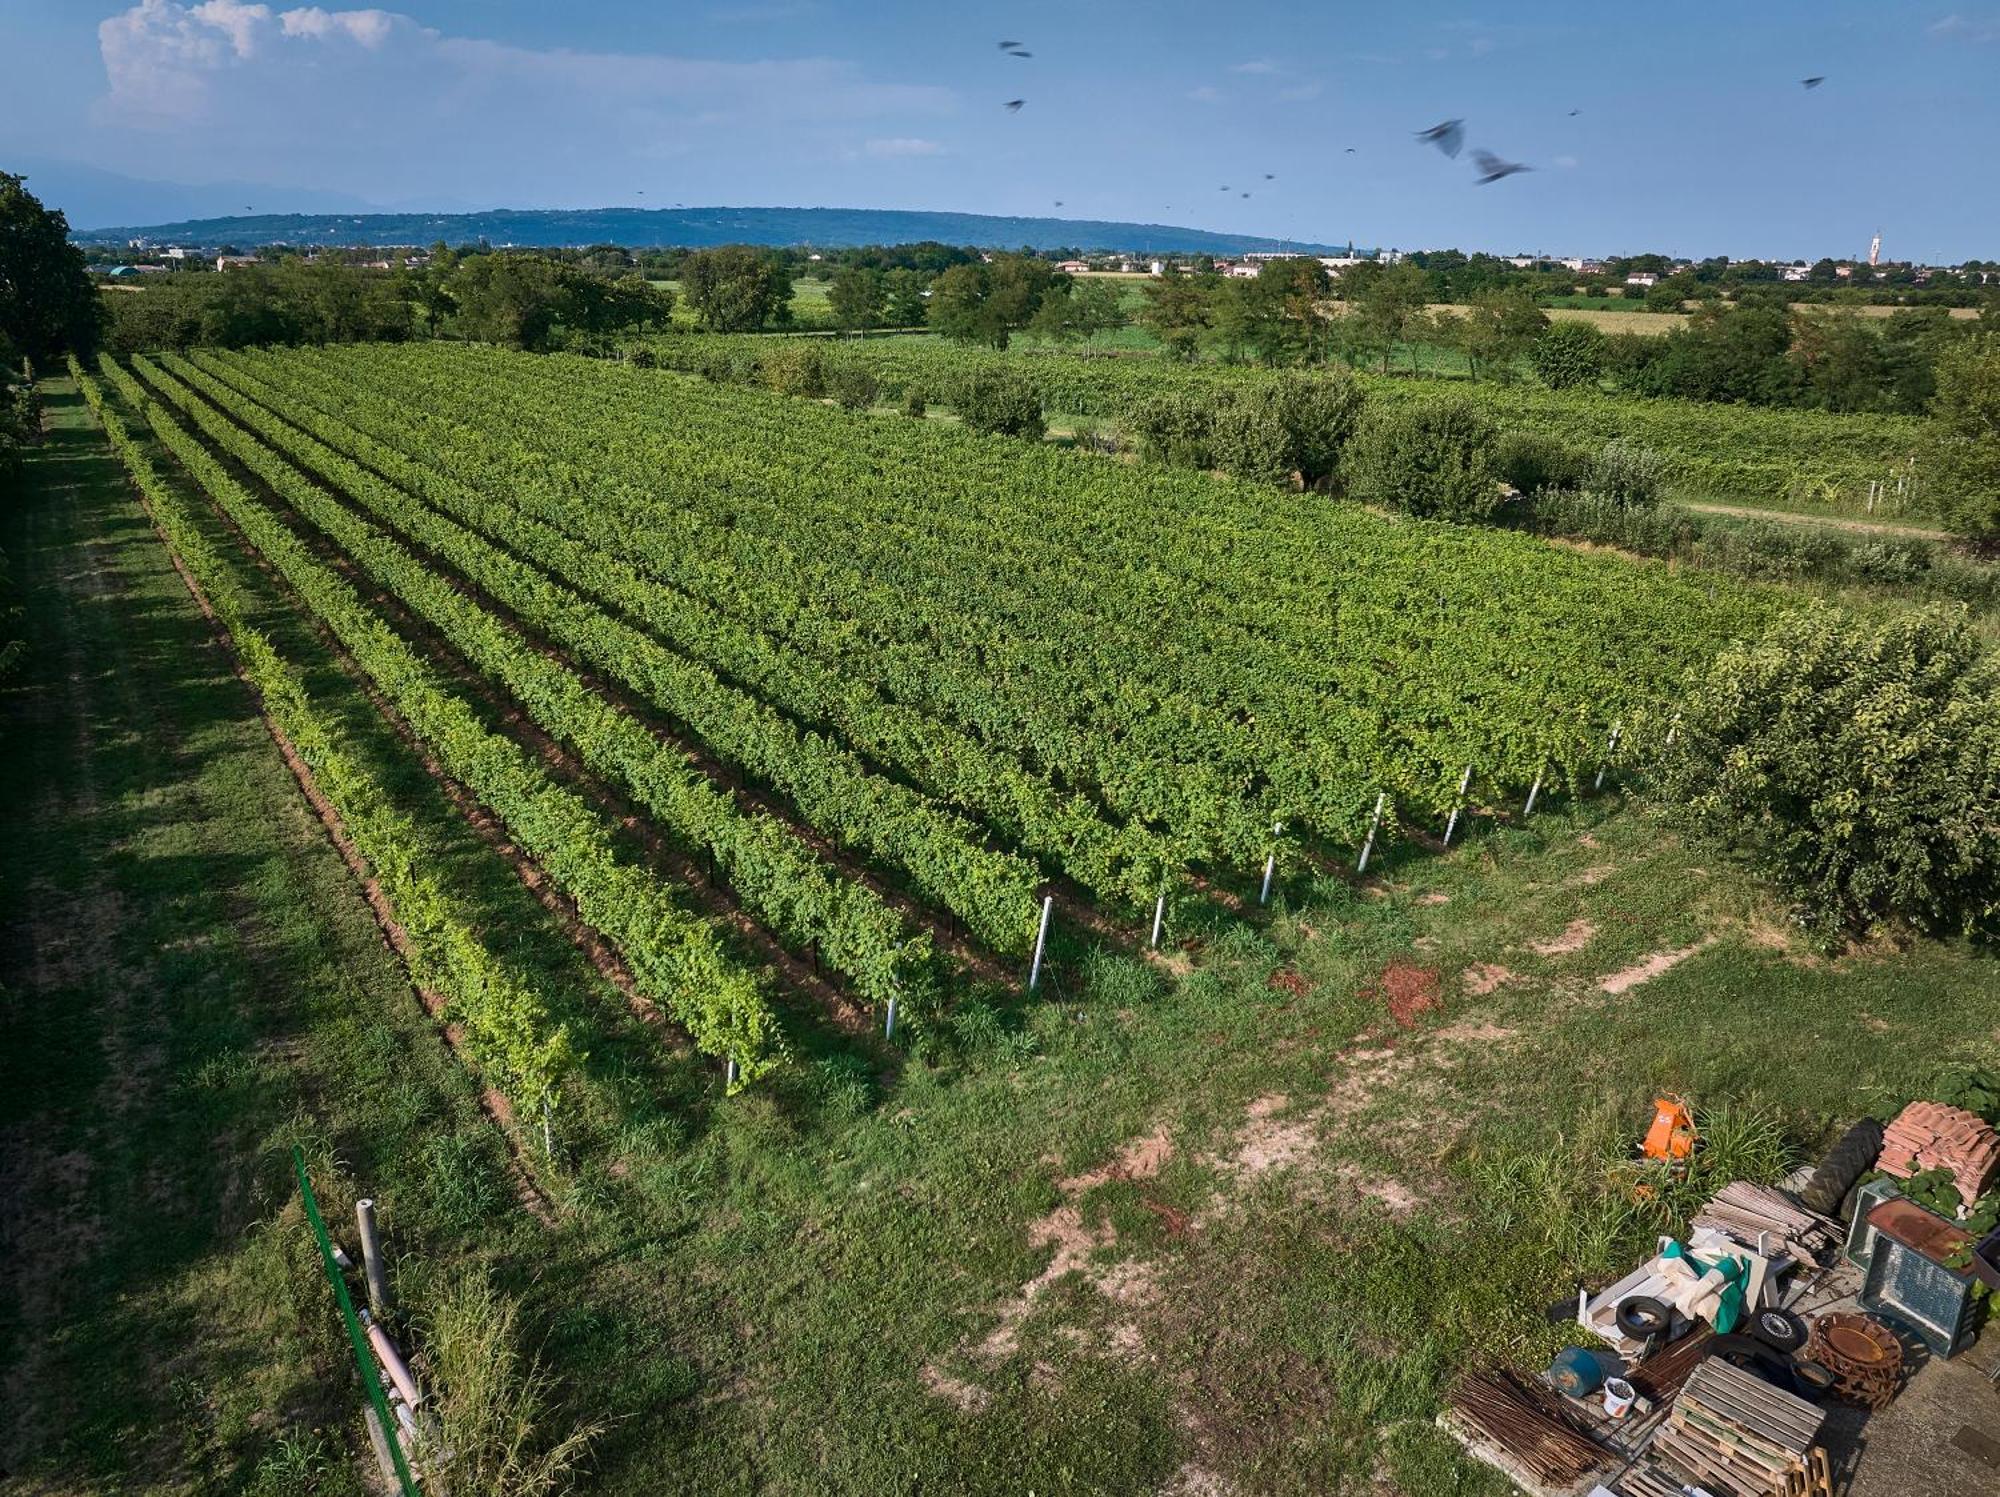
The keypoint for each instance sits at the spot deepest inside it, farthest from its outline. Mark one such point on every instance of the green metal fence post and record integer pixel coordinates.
(363, 1360)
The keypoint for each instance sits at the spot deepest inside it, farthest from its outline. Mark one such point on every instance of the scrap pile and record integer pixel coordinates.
(1527, 1422)
(1863, 1355)
(1930, 1135)
(1738, 1436)
(1755, 1214)
(1698, 1373)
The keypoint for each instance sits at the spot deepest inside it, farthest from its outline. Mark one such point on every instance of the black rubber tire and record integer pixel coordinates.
(1780, 1330)
(1846, 1162)
(1815, 1379)
(1851, 1202)
(1643, 1317)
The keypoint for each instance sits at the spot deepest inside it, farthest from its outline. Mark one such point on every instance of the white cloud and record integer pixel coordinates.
(236, 21)
(1298, 93)
(1955, 27)
(1565, 161)
(370, 28)
(249, 90)
(1261, 65)
(903, 145)
(1205, 95)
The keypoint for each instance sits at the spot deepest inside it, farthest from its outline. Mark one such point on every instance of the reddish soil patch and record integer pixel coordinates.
(1576, 935)
(1409, 992)
(1288, 980)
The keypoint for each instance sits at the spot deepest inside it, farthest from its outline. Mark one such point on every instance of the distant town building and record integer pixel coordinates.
(1157, 267)
(233, 262)
(1241, 272)
(1072, 267)
(1797, 272)
(1642, 278)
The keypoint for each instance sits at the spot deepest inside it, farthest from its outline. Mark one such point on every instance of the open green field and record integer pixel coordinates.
(712, 721)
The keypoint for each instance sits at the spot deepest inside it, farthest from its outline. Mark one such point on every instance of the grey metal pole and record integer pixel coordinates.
(1159, 917)
(380, 1300)
(1534, 793)
(1041, 940)
(1609, 749)
(1271, 864)
(1367, 847)
(1464, 784)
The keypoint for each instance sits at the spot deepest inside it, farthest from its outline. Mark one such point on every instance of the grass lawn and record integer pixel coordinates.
(1222, 1222)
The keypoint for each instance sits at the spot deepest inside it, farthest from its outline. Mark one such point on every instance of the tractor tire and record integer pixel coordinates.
(1846, 1162)
(1850, 1203)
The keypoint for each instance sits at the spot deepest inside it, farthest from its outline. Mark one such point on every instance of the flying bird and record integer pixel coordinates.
(1246, 194)
(1020, 52)
(1270, 176)
(1812, 83)
(1058, 202)
(1350, 150)
(1574, 113)
(1015, 104)
(1447, 137)
(1491, 168)
(1008, 46)
(1223, 188)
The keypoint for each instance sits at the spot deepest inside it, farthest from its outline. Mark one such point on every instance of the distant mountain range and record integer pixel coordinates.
(833, 228)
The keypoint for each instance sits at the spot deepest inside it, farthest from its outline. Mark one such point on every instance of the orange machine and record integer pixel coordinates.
(1672, 1136)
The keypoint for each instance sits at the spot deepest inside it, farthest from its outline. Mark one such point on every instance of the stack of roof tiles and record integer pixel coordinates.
(1930, 1135)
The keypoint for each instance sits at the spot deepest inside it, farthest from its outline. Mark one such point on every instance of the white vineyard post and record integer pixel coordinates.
(1041, 940)
(548, 1136)
(1375, 825)
(1610, 749)
(1270, 865)
(729, 1074)
(889, 1025)
(1534, 793)
(1673, 730)
(1159, 918)
(1464, 784)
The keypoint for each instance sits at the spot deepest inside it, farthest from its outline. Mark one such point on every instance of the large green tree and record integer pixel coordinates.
(47, 303)
(858, 296)
(737, 288)
(1966, 414)
(988, 302)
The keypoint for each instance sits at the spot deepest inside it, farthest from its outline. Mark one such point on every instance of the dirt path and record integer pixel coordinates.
(1830, 522)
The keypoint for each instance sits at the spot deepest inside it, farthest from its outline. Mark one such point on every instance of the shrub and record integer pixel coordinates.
(1433, 460)
(1569, 354)
(1858, 765)
(1247, 438)
(643, 358)
(1000, 400)
(1317, 414)
(913, 403)
(853, 385)
(1536, 464)
(797, 369)
(1176, 429)
(1627, 474)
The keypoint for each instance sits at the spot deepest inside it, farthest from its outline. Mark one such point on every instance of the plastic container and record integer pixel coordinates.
(1619, 1396)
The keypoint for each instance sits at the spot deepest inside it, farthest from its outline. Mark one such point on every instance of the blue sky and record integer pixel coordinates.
(1694, 134)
